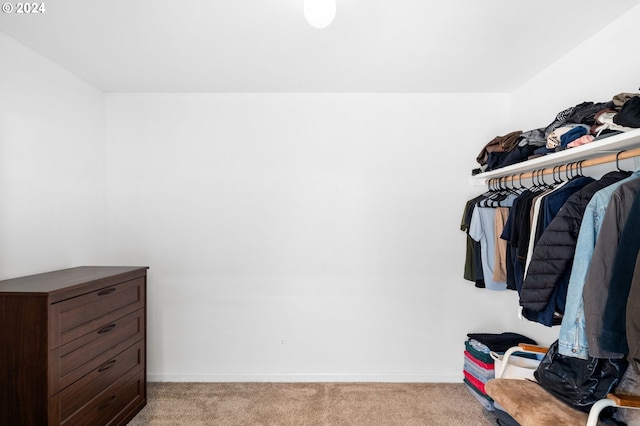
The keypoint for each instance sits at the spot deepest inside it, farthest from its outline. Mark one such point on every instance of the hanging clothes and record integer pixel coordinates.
(519, 235)
(482, 230)
(552, 257)
(572, 339)
(596, 284)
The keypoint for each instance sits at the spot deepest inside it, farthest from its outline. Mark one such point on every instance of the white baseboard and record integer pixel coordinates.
(306, 378)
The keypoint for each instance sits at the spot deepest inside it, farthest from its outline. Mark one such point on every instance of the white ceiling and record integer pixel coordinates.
(267, 46)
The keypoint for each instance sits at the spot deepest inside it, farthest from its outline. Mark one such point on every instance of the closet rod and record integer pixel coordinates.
(621, 155)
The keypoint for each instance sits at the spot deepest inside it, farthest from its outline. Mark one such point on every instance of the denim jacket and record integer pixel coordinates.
(573, 339)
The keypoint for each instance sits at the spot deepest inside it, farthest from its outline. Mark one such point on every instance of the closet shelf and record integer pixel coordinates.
(604, 150)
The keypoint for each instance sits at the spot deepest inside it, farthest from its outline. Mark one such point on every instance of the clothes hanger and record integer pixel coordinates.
(487, 194)
(579, 168)
(618, 163)
(545, 185)
(553, 175)
(498, 195)
(560, 180)
(538, 184)
(534, 175)
(492, 192)
(514, 190)
(521, 187)
(568, 167)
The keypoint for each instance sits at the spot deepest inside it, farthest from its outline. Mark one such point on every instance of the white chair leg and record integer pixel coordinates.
(596, 409)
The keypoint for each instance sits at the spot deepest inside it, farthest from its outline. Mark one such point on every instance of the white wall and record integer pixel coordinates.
(52, 139)
(302, 236)
(601, 67)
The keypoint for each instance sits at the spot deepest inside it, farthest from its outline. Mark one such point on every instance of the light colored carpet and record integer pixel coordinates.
(321, 404)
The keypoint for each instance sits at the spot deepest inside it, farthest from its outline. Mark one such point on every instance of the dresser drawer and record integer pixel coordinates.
(124, 394)
(76, 317)
(81, 356)
(89, 386)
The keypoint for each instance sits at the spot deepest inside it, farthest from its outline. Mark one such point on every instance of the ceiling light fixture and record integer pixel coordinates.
(319, 13)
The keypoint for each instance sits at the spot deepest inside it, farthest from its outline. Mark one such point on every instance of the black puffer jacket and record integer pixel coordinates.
(552, 257)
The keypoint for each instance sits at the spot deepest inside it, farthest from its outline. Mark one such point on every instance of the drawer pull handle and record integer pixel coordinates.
(107, 366)
(106, 328)
(106, 291)
(108, 403)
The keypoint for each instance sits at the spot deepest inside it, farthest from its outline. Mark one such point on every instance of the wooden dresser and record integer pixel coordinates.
(72, 347)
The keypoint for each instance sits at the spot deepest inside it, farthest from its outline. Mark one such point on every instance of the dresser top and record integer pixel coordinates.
(64, 279)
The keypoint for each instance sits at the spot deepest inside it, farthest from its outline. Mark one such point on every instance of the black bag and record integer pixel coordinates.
(578, 382)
